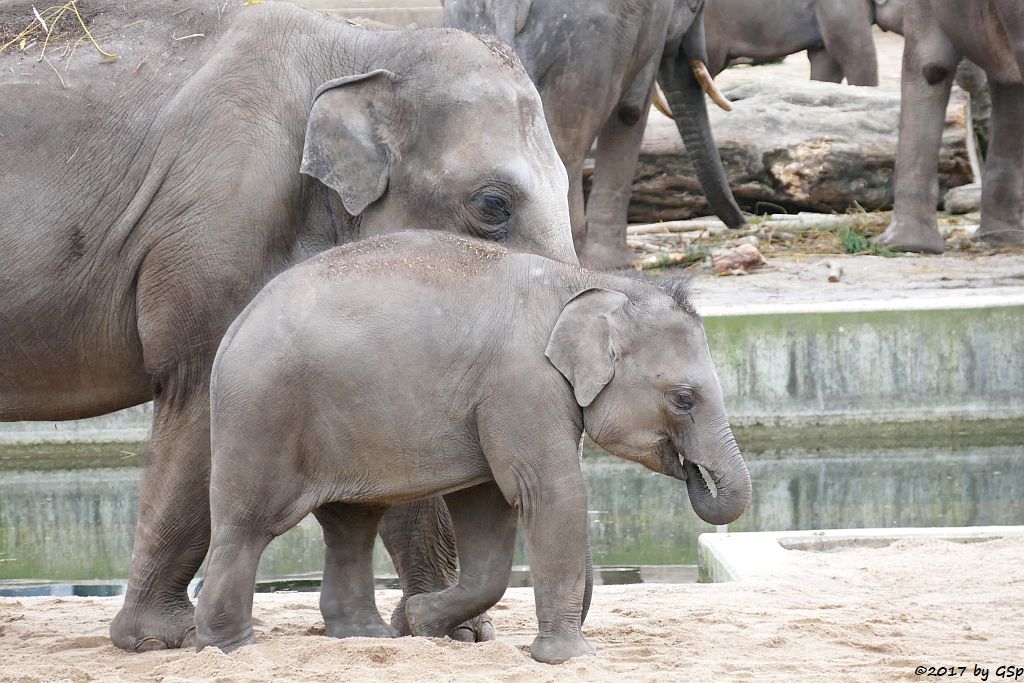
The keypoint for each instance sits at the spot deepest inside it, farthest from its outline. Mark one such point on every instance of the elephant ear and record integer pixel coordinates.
(509, 18)
(582, 344)
(347, 145)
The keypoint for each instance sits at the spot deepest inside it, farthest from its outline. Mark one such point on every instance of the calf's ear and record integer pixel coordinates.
(348, 144)
(582, 343)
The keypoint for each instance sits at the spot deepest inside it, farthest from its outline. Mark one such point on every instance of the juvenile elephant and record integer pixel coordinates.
(595, 62)
(835, 33)
(420, 364)
(990, 33)
(144, 201)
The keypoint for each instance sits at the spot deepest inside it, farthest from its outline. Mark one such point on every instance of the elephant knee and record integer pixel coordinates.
(629, 114)
(935, 73)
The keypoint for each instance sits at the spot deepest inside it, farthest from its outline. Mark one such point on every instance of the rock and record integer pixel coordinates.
(963, 199)
(736, 259)
(800, 145)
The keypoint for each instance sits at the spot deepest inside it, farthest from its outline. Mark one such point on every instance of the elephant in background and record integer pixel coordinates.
(595, 63)
(939, 33)
(835, 33)
(146, 200)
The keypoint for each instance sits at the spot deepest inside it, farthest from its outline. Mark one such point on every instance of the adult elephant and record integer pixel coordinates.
(595, 62)
(835, 33)
(990, 33)
(144, 201)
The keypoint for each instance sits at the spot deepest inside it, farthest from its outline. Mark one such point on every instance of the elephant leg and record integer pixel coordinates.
(618, 149)
(224, 614)
(823, 66)
(347, 599)
(485, 533)
(577, 210)
(173, 527)
(419, 537)
(555, 522)
(846, 31)
(1002, 201)
(929, 66)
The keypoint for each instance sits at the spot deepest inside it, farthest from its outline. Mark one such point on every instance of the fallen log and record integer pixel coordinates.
(799, 145)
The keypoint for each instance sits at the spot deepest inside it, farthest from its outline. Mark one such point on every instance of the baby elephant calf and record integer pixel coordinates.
(423, 364)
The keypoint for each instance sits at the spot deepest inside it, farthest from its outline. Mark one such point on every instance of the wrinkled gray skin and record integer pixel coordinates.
(835, 33)
(990, 33)
(595, 62)
(146, 202)
(423, 363)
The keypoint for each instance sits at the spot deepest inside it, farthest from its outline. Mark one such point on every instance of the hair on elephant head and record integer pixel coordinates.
(476, 158)
(658, 405)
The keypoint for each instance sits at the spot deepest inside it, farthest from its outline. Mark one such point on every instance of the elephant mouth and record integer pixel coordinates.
(674, 462)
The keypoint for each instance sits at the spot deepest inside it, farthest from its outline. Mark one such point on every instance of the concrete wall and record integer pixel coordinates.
(796, 368)
(397, 12)
(871, 366)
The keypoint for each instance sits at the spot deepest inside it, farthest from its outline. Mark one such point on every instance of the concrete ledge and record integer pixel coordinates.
(760, 555)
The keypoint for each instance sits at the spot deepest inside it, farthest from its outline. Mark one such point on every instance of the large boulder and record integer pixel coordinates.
(800, 145)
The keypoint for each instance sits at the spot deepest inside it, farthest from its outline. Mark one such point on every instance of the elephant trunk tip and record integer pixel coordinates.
(733, 494)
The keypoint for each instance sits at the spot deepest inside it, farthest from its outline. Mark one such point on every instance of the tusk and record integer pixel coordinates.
(659, 102)
(700, 70)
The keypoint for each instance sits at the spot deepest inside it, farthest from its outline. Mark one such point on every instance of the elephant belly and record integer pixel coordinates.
(68, 351)
(771, 29)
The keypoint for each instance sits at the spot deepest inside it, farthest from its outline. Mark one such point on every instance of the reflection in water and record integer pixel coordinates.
(77, 524)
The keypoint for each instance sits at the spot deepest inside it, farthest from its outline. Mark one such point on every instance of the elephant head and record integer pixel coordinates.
(455, 144)
(642, 373)
(889, 14)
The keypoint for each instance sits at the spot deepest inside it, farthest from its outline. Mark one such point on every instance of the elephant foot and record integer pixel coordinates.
(921, 239)
(476, 630)
(228, 644)
(356, 626)
(143, 629)
(425, 617)
(557, 649)
(1001, 237)
(596, 256)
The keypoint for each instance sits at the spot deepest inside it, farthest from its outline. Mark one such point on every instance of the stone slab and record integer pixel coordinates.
(761, 555)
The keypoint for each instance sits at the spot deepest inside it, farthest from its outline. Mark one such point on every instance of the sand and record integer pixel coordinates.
(854, 614)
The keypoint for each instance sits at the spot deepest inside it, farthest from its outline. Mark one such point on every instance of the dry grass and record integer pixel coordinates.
(50, 30)
(828, 234)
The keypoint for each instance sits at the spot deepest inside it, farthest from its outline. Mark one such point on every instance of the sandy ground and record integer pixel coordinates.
(855, 614)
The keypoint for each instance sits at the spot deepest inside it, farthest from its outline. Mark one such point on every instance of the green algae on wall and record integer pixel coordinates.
(879, 366)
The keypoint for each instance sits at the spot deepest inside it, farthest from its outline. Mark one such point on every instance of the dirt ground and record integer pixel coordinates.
(853, 615)
(796, 279)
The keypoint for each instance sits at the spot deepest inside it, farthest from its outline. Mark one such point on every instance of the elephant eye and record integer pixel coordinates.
(682, 400)
(491, 205)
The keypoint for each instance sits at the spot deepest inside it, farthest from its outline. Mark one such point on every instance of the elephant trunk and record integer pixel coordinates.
(732, 485)
(588, 587)
(685, 96)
